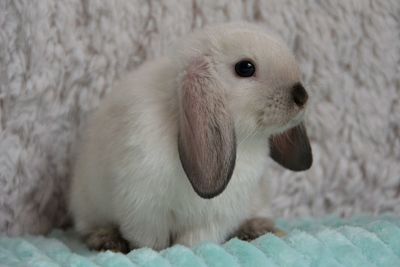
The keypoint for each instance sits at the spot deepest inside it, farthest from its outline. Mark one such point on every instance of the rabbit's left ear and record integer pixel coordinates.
(292, 149)
(206, 141)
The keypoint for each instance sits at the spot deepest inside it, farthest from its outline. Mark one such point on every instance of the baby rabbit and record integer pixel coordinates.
(176, 152)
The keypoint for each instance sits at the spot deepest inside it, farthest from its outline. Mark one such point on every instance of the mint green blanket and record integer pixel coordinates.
(360, 241)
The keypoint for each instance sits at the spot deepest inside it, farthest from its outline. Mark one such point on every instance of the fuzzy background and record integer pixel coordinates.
(59, 58)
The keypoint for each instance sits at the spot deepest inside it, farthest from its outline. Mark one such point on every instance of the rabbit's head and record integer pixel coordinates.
(238, 81)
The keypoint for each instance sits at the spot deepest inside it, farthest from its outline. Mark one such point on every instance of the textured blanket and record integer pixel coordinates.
(59, 58)
(359, 242)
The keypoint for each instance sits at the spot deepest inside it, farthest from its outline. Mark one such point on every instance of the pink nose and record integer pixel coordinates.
(299, 95)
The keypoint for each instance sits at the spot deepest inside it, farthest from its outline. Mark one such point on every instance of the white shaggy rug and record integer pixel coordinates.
(59, 58)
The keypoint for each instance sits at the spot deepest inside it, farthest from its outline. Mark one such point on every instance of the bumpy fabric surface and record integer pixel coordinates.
(59, 58)
(361, 242)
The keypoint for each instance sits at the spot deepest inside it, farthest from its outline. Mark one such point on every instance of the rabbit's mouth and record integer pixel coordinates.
(282, 126)
(296, 120)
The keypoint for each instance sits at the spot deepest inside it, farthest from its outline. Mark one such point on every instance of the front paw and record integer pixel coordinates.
(255, 227)
(107, 239)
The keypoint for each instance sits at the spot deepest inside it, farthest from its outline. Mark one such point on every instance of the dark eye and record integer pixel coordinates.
(245, 68)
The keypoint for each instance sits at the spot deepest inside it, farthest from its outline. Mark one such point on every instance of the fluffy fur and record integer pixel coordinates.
(59, 58)
(129, 170)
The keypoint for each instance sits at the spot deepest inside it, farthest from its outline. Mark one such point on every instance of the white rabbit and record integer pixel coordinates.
(176, 152)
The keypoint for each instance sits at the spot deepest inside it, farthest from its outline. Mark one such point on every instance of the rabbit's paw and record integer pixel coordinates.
(255, 227)
(107, 239)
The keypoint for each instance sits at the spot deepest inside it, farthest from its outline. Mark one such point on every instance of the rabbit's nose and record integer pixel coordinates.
(299, 95)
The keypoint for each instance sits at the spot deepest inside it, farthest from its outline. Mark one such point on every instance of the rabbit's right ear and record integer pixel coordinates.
(206, 141)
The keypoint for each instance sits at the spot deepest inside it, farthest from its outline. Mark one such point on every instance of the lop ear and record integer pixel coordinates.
(292, 149)
(206, 141)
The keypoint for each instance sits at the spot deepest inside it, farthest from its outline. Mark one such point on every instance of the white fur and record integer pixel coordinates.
(128, 173)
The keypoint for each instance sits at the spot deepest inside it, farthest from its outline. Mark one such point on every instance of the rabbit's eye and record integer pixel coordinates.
(245, 68)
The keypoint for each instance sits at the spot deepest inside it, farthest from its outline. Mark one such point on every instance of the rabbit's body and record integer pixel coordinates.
(112, 181)
(133, 166)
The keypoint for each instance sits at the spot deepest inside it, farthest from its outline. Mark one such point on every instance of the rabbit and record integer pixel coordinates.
(176, 152)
